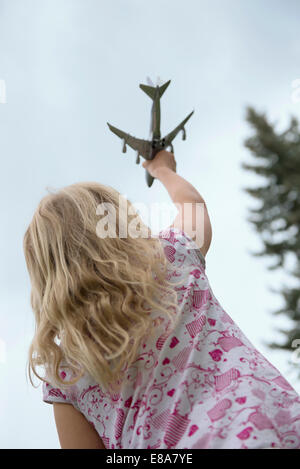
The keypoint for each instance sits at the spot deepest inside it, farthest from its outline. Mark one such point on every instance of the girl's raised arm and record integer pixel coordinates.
(187, 199)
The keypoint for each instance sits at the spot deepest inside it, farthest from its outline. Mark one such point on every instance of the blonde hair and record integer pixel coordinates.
(92, 296)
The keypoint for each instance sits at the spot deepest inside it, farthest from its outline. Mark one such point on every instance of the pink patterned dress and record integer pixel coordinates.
(203, 386)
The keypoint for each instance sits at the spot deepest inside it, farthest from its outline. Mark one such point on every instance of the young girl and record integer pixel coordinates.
(137, 350)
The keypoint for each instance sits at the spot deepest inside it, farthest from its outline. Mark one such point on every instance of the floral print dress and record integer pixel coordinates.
(204, 385)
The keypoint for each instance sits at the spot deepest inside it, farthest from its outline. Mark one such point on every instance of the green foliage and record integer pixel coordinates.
(277, 219)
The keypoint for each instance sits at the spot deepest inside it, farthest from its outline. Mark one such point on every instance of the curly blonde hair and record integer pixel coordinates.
(92, 295)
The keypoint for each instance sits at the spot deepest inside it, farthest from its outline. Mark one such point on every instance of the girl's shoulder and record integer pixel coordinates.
(178, 244)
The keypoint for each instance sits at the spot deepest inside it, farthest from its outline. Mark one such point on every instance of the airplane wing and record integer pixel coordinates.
(143, 147)
(168, 138)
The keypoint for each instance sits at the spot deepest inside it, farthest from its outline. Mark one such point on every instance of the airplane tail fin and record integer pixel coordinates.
(150, 90)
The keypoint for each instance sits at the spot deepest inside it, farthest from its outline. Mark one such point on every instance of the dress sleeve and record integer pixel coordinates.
(178, 243)
(52, 394)
(63, 394)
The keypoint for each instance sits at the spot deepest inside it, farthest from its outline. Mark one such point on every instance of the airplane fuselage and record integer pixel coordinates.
(155, 135)
(155, 116)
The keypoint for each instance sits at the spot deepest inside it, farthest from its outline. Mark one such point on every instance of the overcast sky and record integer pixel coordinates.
(72, 65)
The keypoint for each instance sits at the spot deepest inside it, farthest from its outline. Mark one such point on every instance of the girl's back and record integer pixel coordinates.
(200, 385)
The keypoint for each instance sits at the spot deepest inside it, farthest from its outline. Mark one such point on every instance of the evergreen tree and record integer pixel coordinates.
(277, 219)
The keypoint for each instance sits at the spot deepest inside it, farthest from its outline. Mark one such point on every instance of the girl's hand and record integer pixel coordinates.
(163, 159)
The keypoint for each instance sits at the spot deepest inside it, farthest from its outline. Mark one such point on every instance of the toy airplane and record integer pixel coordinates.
(149, 148)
